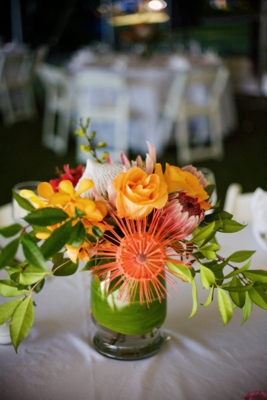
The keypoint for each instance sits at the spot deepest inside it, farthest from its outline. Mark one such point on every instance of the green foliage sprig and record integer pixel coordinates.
(90, 147)
(241, 287)
(28, 276)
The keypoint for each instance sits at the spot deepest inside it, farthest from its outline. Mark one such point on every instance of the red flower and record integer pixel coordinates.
(72, 175)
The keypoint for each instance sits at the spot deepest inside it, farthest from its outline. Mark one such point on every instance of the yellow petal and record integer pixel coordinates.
(27, 194)
(59, 198)
(72, 253)
(42, 235)
(45, 190)
(66, 187)
(84, 185)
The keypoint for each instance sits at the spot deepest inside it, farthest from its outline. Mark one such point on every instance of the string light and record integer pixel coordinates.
(156, 5)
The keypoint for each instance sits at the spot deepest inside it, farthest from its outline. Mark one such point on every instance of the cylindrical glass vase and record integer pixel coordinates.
(126, 331)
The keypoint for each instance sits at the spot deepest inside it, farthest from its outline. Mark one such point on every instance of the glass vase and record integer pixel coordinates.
(126, 331)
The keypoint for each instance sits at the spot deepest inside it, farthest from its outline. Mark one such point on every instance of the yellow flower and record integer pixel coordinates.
(82, 252)
(67, 198)
(177, 179)
(34, 199)
(138, 193)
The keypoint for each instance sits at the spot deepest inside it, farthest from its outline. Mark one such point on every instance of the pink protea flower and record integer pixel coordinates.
(148, 165)
(199, 174)
(138, 256)
(186, 214)
(256, 395)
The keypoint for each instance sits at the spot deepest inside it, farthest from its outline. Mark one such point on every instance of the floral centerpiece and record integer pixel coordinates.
(135, 227)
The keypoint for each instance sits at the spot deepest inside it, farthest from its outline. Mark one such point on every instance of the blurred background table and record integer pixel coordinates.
(126, 97)
(149, 82)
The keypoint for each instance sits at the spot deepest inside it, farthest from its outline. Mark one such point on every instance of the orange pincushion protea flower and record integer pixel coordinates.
(138, 258)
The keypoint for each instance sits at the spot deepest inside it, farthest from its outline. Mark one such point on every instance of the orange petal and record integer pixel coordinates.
(45, 190)
(66, 187)
(84, 185)
(59, 198)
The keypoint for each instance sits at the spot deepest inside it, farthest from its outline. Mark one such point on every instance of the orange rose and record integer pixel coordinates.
(177, 179)
(138, 193)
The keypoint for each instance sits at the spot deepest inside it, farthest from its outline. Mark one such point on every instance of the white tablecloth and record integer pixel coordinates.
(202, 360)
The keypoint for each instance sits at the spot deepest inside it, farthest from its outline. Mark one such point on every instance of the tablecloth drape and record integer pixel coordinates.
(203, 359)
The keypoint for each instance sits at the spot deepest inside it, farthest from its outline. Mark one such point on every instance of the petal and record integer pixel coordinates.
(27, 193)
(59, 198)
(45, 190)
(109, 159)
(66, 187)
(84, 185)
(112, 194)
(149, 165)
(152, 152)
(125, 160)
(72, 253)
(42, 235)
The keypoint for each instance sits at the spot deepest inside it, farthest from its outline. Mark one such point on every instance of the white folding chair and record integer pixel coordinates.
(181, 106)
(238, 203)
(58, 106)
(103, 97)
(16, 91)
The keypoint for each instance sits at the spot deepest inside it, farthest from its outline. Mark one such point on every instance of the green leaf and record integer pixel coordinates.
(68, 268)
(194, 296)
(219, 277)
(209, 247)
(97, 232)
(238, 288)
(40, 229)
(258, 296)
(203, 233)
(78, 213)
(57, 258)
(22, 321)
(257, 275)
(29, 275)
(181, 270)
(218, 216)
(23, 203)
(225, 306)
(46, 216)
(238, 298)
(91, 238)
(115, 283)
(8, 253)
(33, 254)
(209, 189)
(89, 265)
(247, 308)
(77, 235)
(238, 271)
(7, 310)
(241, 256)
(39, 287)
(230, 226)
(206, 276)
(9, 288)
(57, 240)
(210, 298)
(208, 254)
(11, 230)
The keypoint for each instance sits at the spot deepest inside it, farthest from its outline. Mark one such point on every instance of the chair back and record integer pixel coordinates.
(103, 97)
(237, 203)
